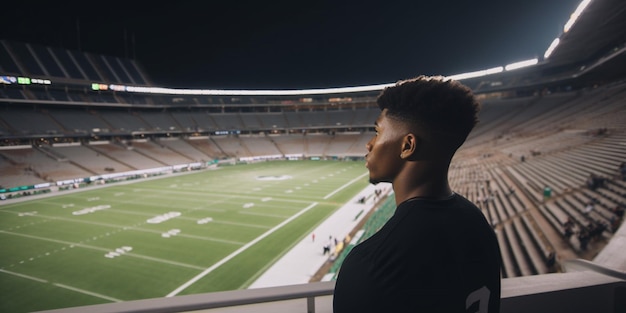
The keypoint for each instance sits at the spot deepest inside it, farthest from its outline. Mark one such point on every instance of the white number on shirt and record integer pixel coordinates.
(481, 296)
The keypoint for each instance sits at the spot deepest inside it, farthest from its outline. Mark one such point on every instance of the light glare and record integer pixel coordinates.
(218, 92)
(486, 72)
(579, 11)
(551, 48)
(516, 65)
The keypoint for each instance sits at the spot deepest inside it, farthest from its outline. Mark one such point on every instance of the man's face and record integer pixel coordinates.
(383, 158)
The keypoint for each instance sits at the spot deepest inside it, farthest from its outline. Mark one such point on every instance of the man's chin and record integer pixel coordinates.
(374, 181)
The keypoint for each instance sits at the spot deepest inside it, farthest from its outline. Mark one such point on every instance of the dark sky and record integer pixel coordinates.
(295, 44)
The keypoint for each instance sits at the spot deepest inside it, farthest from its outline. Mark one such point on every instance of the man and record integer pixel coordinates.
(437, 253)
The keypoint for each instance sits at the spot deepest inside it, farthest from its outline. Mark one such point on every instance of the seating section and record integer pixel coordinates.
(91, 160)
(259, 145)
(23, 122)
(40, 164)
(160, 153)
(71, 121)
(24, 59)
(125, 154)
(184, 148)
(346, 144)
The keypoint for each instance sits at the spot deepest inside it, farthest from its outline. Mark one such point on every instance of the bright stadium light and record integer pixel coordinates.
(579, 11)
(516, 65)
(486, 72)
(219, 92)
(551, 48)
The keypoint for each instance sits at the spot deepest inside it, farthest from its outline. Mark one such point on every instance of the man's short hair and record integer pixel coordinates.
(435, 104)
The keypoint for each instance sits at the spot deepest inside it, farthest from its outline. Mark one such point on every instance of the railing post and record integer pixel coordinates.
(310, 304)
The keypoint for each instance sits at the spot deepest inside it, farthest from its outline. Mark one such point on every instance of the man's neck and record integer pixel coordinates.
(430, 190)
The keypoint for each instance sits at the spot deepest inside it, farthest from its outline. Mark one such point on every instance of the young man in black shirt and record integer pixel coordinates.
(437, 253)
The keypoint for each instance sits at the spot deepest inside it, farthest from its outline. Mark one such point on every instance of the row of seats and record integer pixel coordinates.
(25, 59)
(62, 121)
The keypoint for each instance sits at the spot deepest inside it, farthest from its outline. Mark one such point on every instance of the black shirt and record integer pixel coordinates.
(431, 256)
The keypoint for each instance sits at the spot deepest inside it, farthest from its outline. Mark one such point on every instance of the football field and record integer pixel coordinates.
(204, 231)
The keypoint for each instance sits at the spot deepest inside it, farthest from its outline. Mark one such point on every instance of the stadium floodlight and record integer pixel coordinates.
(551, 48)
(516, 65)
(573, 18)
(480, 73)
(579, 11)
(219, 92)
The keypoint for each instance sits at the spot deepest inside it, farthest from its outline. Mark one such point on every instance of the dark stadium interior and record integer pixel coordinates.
(554, 124)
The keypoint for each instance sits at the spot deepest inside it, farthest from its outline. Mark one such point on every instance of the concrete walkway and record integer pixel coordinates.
(303, 261)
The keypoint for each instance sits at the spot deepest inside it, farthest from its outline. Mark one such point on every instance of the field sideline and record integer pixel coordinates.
(200, 232)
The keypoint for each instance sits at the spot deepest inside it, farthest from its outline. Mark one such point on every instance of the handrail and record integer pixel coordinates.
(579, 265)
(574, 292)
(214, 300)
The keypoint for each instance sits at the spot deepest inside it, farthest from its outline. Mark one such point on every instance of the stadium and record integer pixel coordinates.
(121, 196)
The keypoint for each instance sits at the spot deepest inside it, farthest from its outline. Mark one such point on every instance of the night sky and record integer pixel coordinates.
(295, 44)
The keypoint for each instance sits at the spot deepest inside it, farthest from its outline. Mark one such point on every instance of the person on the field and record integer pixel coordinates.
(437, 253)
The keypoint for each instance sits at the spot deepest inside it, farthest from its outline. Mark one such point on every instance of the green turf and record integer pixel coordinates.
(98, 246)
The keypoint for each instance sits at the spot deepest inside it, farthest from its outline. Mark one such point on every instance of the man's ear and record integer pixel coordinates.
(410, 146)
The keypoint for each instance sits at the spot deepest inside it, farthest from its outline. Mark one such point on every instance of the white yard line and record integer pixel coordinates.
(240, 224)
(238, 251)
(263, 214)
(88, 293)
(63, 286)
(345, 185)
(25, 276)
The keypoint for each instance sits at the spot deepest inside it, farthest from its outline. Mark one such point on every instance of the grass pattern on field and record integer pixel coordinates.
(53, 256)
